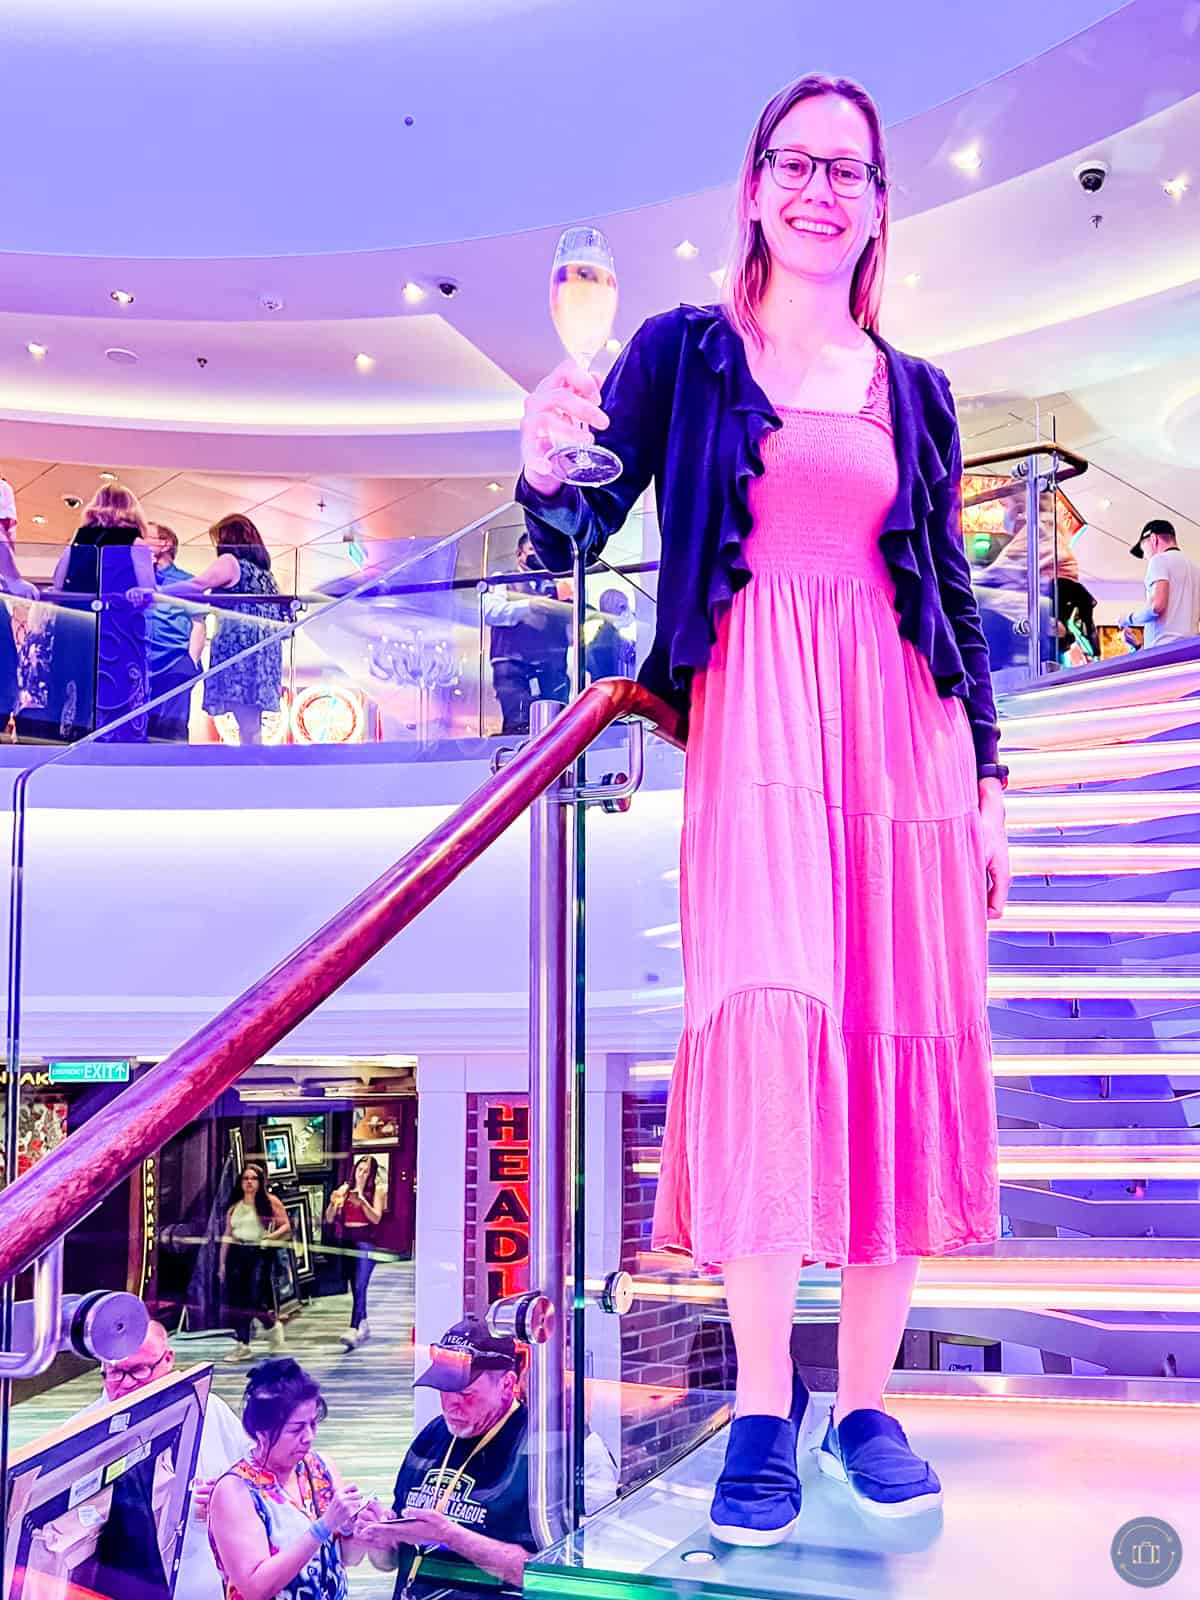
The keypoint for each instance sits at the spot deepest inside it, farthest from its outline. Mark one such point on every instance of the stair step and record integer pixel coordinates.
(1065, 729)
(1048, 769)
(1011, 983)
(1073, 1163)
(1101, 860)
(1064, 692)
(1096, 1066)
(1140, 917)
(1027, 812)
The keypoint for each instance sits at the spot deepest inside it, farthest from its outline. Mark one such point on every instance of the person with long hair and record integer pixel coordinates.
(843, 839)
(281, 1520)
(93, 665)
(249, 686)
(255, 1223)
(356, 1210)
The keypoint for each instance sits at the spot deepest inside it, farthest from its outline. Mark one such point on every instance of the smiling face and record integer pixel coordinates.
(814, 233)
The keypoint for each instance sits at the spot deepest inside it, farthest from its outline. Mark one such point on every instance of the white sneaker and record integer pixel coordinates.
(364, 1331)
(275, 1339)
(350, 1339)
(240, 1352)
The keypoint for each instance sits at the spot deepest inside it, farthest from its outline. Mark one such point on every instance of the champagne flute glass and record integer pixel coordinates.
(583, 305)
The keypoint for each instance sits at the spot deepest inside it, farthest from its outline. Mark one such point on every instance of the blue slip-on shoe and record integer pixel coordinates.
(757, 1498)
(871, 1455)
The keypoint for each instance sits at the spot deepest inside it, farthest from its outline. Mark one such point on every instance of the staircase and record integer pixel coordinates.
(1094, 984)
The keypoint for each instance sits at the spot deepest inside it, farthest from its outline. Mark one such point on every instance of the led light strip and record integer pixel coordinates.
(1088, 728)
(1026, 1066)
(1108, 860)
(1042, 769)
(1098, 810)
(1066, 1163)
(1030, 916)
(1146, 686)
(1060, 1296)
(1013, 984)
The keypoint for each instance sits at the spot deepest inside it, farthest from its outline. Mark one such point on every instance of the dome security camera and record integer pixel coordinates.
(447, 288)
(72, 501)
(1090, 175)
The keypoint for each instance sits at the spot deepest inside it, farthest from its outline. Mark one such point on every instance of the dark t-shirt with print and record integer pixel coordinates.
(491, 1498)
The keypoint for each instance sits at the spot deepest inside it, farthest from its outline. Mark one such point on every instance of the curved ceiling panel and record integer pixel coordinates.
(264, 128)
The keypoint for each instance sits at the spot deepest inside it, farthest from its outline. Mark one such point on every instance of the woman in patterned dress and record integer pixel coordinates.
(280, 1520)
(247, 687)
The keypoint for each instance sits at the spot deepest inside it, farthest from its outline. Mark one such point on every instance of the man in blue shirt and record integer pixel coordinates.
(174, 643)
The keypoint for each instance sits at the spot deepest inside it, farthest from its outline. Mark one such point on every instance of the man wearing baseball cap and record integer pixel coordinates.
(11, 583)
(1172, 609)
(461, 1506)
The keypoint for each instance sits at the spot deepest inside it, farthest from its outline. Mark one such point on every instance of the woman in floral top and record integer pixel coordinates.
(280, 1520)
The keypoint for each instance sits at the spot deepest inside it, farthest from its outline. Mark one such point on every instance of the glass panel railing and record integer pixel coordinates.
(156, 886)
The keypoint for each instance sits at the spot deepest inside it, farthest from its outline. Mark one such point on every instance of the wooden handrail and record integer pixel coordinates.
(58, 1193)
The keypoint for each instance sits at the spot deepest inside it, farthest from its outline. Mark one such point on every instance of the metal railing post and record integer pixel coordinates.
(1033, 548)
(551, 1064)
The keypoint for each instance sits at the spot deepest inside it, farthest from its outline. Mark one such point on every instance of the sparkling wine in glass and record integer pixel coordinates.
(583, 304)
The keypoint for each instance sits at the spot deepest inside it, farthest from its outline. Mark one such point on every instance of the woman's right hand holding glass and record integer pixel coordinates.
(563, 409)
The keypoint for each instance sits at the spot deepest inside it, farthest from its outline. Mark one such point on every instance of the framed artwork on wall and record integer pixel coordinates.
(310, 1140)
(297, 1214)
(279, 1150)
(376, 1124)
(286, 1285)
(316, 1200)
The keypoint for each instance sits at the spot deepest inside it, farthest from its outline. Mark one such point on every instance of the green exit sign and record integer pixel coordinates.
(90, 1071)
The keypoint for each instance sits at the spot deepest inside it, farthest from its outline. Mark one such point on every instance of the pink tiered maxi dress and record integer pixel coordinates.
(832, 1093)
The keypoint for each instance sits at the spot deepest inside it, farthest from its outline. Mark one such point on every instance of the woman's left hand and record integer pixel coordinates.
(995, 846)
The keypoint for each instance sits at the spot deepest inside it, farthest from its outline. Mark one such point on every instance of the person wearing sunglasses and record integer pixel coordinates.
(222, 1442)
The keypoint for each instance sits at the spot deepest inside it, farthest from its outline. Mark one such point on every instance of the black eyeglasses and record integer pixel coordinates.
(848, 176)
(140, 1374)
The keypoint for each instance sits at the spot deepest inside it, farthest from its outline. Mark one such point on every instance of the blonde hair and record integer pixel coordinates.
(750, 259)
(115, 506)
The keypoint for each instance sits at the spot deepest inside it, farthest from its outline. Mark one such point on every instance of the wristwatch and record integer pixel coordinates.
(995, 769)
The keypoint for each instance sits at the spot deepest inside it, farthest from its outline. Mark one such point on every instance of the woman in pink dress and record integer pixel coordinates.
(843, 842)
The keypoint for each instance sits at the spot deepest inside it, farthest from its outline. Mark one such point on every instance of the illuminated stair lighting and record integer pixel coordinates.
(1146, 686)
(1095, 1066)
(1013, 984)
(1044, 769)
(1104, 860)
(1028, 811)
(1087, 728)
(1028, 916)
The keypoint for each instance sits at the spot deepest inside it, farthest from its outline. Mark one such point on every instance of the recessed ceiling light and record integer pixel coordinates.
(37, 351)
(123, 358)
(39, 522)
(686, 250)
(494, 487)
(911, 280)
(108, 477)
(1105, 505)
(413, 292)
(968, 159)
(718, 277)
(1176, 188)
(613, 346)
(121, 296)
(364, 362)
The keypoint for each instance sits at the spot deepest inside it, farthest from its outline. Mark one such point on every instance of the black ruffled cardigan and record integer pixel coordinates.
(686, 412)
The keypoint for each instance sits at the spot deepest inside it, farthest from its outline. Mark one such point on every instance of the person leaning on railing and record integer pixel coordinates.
(281, 1520)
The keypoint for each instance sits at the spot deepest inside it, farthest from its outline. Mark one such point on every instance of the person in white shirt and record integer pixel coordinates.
(223, 1441)
(1172, 609)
